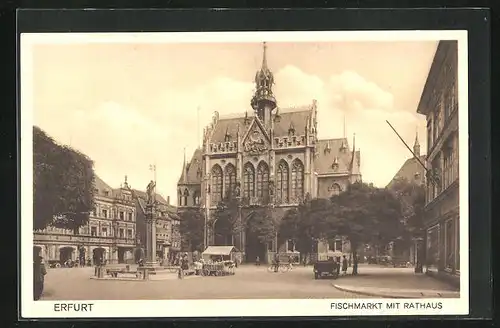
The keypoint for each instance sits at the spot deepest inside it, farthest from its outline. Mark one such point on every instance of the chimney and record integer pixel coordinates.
(168, 200)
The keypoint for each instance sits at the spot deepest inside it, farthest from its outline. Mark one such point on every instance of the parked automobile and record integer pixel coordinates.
(329, 268)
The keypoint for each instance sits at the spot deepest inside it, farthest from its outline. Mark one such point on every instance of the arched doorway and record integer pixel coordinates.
(254, 247)
(223, 235)
(66, 253)
(98, 255)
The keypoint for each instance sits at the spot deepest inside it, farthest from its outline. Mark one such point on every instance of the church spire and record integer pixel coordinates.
(416, 146)
(264, 57)
(263, 101)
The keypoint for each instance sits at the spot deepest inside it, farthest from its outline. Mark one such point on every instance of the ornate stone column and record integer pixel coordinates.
(150, 235)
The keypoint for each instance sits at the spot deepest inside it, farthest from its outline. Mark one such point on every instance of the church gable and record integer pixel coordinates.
(256, 140)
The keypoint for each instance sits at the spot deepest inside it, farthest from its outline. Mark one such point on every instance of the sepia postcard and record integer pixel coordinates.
(244, 174)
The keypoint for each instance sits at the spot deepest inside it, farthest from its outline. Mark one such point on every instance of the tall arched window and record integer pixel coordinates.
(179, 197)
(248, 181)
(216, 184)
(229, 180)
(282, 183)
(185, 197)
(196, 198)
(297, 180)
(263, 181)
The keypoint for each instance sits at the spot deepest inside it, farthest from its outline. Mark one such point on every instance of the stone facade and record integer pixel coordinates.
(439, 103)
(110, 233)
(266, 157)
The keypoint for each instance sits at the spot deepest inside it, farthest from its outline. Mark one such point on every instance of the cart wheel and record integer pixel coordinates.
(58, 265)
(270, 268)
(283, 268)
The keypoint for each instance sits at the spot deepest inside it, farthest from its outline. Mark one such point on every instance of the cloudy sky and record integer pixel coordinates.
(131, 105)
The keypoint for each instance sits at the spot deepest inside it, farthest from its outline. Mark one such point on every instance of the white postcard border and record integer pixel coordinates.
(221, 308)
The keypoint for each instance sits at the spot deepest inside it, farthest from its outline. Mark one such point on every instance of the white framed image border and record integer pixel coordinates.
(219, 307)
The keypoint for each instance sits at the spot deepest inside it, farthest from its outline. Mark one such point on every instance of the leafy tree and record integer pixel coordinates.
(364, 214)
(192, 225)
(262, 224)
(412, 198)
(63, 184)
(305, 224)
(228, 211)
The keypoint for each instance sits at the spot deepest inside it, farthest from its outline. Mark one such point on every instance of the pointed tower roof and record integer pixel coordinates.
(416, 146)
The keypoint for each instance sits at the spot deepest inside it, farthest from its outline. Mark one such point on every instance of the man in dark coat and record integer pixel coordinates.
(39, 272)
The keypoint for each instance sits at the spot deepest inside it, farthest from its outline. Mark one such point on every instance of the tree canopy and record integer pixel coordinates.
(63, 184)
(192, 225)
(227, 211)
(412, 198)
(304, 224)
(262, 224)
(365, 215)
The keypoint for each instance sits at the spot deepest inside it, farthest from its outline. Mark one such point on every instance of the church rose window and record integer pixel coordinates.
(216, 184)
(282, 183)
(249, 180)
(297, 180)
(262, 181)
(230, 180)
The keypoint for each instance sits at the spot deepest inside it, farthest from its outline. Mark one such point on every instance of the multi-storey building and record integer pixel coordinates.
(439, 103)
(109, 235)
(270, 157)
(412, 171)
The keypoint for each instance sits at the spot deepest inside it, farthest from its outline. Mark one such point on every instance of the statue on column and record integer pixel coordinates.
(150, 192)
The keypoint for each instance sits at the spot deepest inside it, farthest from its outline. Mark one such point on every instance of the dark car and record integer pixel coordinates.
(328, 268)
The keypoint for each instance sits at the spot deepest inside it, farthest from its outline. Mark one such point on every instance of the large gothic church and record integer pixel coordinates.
(271, 157)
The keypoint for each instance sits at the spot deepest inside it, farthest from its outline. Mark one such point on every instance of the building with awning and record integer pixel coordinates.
(226, 252)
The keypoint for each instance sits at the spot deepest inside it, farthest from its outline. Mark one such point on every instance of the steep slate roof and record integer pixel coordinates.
(102, 187)
(295, 116)
(409, 169)
(325, 158)
(190, 171)
(229, 126)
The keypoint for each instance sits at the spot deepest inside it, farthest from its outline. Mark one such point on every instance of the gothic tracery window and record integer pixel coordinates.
(282, 182)
(196, 198)
(335, 189)
(262, 181)
(229, 180)
(297, 188)
(216, 184)
(248, 181)
(185, 197)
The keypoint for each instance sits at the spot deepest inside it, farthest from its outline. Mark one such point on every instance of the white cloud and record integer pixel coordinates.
(123, 140)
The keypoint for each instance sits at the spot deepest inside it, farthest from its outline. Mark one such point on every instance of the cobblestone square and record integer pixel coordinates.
(249, 282)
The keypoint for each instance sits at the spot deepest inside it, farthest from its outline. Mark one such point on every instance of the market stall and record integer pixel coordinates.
(219, 260)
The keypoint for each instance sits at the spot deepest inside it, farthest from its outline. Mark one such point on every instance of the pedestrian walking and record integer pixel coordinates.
(257, 261)
(344, 265)
(39, 272)
(276, 262)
